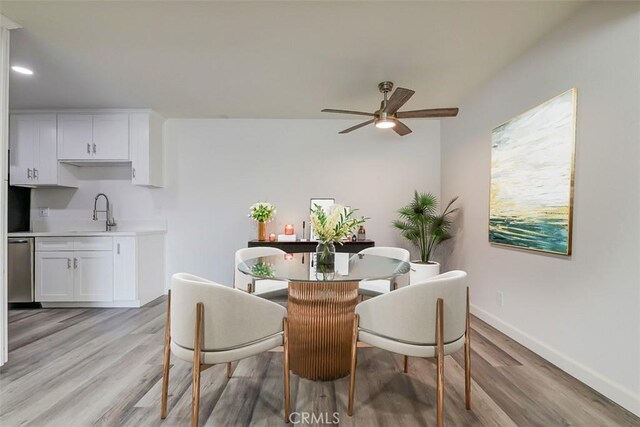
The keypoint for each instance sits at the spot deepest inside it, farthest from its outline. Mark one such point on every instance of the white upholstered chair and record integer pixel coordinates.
(384, 286)
(428, 319)
(208, 323)
(265, 288)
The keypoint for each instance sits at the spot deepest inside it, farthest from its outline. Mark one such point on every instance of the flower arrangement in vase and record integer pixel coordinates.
(262, 212)
(330, 228)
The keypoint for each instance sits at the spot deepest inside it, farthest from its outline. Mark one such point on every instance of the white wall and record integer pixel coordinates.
(215, 169)
(580, 312)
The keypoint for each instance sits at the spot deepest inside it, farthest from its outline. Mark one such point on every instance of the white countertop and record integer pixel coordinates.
(24, 234)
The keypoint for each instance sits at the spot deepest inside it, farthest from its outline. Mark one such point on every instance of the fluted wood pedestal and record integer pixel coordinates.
(320, 328)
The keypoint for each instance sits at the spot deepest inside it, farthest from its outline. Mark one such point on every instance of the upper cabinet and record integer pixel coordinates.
(93, 137)
(46, 146)
(146, 149)
(32, 152)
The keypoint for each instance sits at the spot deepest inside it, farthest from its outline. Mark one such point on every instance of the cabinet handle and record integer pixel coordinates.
(35, 173)
(118, 248)
(94, 148)
(75, 262)
(68, 263)
(28, 172)
(88, 148)
(134, 172)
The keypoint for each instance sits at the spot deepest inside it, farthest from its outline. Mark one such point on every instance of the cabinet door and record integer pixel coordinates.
(75, 136)
(54, 278)
(22, 138)
(139, 148)
(93, 280)
(45, 152)
(110, 137)
(124, 269)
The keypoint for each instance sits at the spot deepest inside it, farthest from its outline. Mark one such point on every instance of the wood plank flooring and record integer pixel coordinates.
(103, 367)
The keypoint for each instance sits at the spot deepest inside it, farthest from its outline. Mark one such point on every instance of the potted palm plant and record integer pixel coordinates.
(421, 224)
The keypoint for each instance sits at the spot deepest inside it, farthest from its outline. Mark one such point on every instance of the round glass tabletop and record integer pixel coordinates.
(303, 267)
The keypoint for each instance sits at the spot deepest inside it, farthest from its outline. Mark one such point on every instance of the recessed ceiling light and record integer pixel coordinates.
(22, 70)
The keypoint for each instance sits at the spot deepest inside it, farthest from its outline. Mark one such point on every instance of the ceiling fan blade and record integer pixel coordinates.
(434, 112)
(397, 100)
(368, 122)
(401, 129)
(359, 113)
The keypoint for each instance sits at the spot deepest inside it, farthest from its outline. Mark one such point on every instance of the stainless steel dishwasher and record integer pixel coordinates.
(20, 270)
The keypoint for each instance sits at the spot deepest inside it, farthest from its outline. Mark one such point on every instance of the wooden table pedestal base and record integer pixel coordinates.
(320, 328)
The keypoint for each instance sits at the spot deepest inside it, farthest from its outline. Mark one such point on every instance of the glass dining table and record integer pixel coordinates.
(321, 304)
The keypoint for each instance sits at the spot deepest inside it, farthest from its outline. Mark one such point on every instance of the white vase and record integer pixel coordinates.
(421, 271)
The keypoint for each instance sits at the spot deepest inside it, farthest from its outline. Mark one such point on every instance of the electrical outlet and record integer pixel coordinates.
(499, 299)
(43, 212)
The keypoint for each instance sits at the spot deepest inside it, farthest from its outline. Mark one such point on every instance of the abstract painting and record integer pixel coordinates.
(532, 158)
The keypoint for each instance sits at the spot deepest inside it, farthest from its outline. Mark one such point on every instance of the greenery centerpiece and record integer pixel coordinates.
(421, 223)
(332, 228)
(263, 269)
(262, 212)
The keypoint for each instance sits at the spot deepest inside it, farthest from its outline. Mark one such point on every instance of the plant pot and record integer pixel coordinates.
(423, 271)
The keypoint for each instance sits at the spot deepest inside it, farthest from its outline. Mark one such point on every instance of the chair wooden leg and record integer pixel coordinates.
(467, 359)
(287, 373)
(354, 357)
(440, 363)
(229, 369)
(166, 359)
(197, 354)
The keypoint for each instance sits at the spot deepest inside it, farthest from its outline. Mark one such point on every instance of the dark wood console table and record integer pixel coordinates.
(298, 246)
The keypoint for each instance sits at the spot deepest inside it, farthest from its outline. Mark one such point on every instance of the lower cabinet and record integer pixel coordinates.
(74, 276)
(54, 276)
(93, 279)
(104, 271)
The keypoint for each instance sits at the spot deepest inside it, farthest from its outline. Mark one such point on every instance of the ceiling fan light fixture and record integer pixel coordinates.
(385, 123)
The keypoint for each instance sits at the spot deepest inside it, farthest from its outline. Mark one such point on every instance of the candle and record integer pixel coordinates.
(288, 229)
(288, 256)
(272, 237)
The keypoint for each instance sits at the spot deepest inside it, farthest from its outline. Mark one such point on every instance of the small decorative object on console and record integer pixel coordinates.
(362, 234)
(288, 229)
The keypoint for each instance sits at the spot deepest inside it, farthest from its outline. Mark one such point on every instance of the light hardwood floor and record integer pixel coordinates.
(102, 367)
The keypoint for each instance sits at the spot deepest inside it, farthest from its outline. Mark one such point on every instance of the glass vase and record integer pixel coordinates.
(325, 257)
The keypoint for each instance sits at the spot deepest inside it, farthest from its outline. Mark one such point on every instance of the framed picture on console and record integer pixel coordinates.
(532, 174)
(325, 203)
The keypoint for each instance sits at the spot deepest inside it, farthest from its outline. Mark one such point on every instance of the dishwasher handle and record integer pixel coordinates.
(14, 241)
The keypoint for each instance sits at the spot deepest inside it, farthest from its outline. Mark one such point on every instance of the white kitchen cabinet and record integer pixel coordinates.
(75, 136)
(146, 149)
(54, 277)
(33, 155)
(99, 271)
(72, 274)
(124, 268)
(93, 278)
(111, 137)
(93, 137)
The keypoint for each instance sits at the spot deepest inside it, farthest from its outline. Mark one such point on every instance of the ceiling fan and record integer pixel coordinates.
(387, 116)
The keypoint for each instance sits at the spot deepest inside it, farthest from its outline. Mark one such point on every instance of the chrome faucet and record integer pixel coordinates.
(110, 221)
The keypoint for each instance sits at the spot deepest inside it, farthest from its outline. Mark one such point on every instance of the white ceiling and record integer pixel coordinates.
(264, 59)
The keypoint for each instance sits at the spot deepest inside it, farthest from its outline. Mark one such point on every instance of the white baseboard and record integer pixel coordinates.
(619, 394)
(95, 304)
